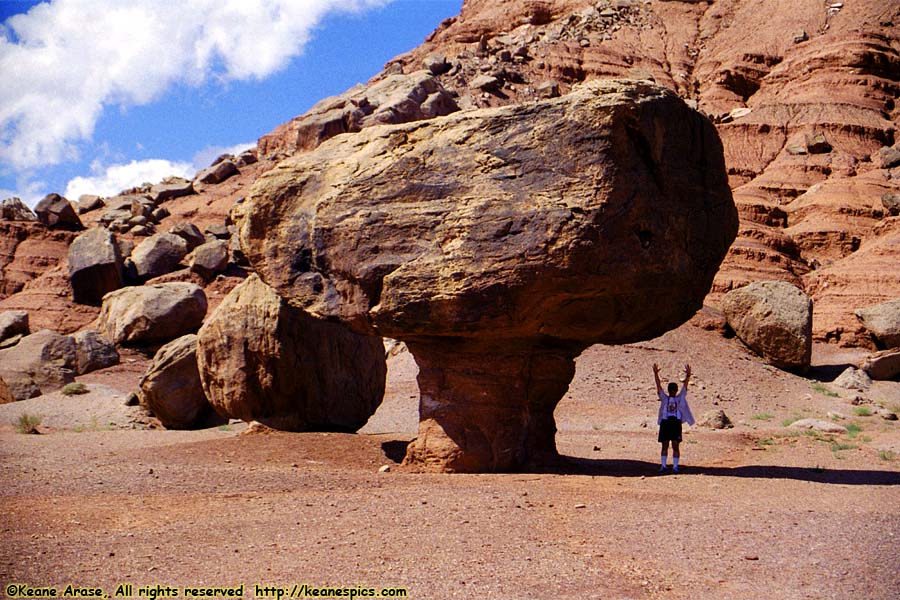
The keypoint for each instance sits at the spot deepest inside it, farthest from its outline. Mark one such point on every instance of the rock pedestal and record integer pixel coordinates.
(500, 243)
(489, 408)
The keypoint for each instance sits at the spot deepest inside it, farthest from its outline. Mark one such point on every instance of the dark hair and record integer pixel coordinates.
(673, 389)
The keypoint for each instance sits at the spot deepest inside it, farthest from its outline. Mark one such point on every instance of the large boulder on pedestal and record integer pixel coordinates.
(499, 244)
(774, 319)
(150, 314)
(95, 266)
(262, 359)
(171, 387)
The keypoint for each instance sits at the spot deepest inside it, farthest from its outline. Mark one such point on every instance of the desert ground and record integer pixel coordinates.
(758, 511)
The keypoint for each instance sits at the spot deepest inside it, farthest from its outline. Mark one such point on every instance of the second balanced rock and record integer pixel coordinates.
(499, 244)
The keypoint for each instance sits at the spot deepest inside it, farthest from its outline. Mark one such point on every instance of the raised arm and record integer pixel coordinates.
(656, 377)
(687, 375)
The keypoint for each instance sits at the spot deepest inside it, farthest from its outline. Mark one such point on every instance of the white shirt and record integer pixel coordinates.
(674, 406)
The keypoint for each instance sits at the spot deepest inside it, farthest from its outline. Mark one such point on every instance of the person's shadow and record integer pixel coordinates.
(570, 465)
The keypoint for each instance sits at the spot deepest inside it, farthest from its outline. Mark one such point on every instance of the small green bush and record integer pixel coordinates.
(824, 390)
(853, 430)
(28, 423)
(763, 417)
(71, 389)
(887, 455)
(862, 411)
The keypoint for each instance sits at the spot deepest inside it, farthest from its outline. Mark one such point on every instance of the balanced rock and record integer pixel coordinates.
(152, 313)
(883, 323)
(264, 360)
(774, 319)
(56, 212)
(13, 209)
(158, 254)
(883, 365)
(95, 266)
(171, 387)
(498, 244)
(93, 352)
(42, 362)
(13, 322)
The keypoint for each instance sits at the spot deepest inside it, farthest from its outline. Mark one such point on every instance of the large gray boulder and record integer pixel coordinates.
(13, 209)
(93, 352)
(150, 314)
(12, 323)
(218, 172)
(158, 254)
(262, 359)
(95, 266)
(774, 319)
(190, 233)
(171, 388)
(41, 362)
(56, 212)
(883, 323)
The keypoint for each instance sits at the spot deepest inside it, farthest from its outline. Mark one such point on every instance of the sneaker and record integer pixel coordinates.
(674, 469)
(663, 469)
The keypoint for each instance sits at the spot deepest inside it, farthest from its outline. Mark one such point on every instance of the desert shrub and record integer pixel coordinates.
(71, 389)
(862, 411)
(28, 423)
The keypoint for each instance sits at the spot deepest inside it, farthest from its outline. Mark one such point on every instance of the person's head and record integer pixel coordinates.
(673, 389)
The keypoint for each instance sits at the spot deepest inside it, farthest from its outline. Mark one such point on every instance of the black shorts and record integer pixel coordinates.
(670, 430)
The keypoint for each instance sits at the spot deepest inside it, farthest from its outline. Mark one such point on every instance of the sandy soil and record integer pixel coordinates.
(759, 511)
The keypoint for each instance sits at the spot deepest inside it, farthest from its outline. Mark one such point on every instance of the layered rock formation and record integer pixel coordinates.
(499, 244)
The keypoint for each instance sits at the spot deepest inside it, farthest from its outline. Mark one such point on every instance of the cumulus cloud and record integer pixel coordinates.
(112, 179)
(65, 61)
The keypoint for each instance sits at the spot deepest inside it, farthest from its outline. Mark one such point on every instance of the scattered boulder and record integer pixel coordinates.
(152, 313)
(56, 212)
(883, 322)
(89, 202)
(853, 379)
(44, 360)
(883, 365)
(450, 235)
(6, 395)
(247, 157)
(485, 83)
(818, 425)
(158, 254)
(93, 352)
(891, 203)
(95, 266)
(13, 209)
(262, 359)
(142, 207)
(217, 173)
(218, 231)
(189, 233)
(886, 414)
(173, 187)
(887, 157)
(171, 387)
(715, 419)
(774, 319)
(209, 259)
(436, 64)
(12, 323)
(548, 89)
(817, 144)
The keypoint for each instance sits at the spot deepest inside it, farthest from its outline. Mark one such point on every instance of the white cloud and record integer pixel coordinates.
(65, 61)
(110, 180)
(205, 157)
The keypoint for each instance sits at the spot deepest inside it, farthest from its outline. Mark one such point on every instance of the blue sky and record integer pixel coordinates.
(99, 95)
